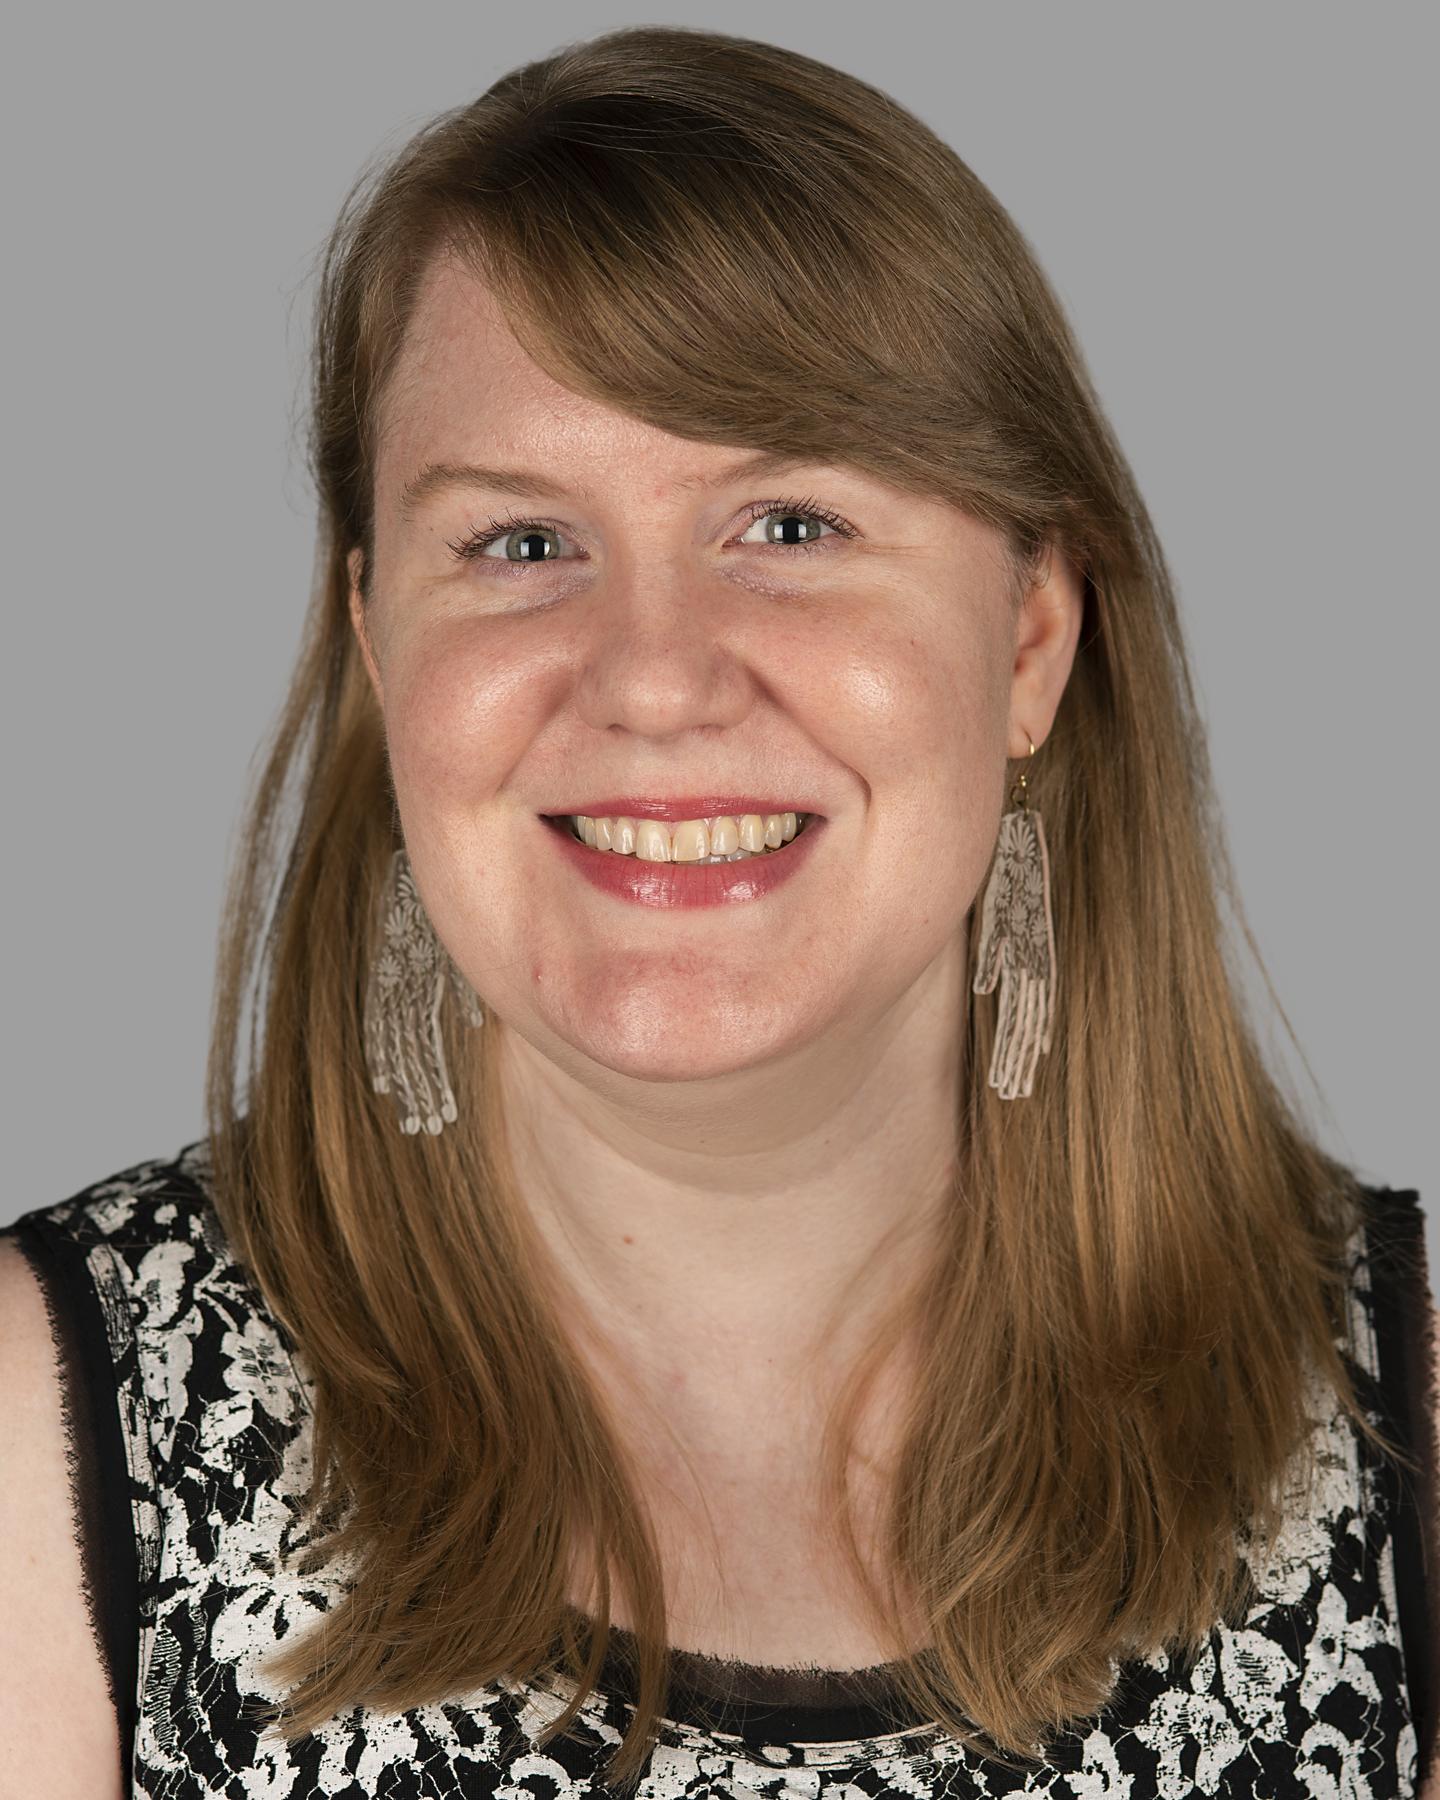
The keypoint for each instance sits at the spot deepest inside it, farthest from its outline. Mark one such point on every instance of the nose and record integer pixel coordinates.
(654, 657)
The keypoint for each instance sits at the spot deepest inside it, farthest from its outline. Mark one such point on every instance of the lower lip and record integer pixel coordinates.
(685, 884)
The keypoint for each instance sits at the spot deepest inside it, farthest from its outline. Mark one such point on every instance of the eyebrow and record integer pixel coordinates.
(439, 477)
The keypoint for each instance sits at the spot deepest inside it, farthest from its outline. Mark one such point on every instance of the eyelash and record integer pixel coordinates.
(470, 546)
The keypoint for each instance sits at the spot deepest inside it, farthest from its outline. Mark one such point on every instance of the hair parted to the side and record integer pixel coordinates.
(739, 244)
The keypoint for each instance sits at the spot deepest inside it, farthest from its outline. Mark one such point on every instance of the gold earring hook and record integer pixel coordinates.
(1018, 793)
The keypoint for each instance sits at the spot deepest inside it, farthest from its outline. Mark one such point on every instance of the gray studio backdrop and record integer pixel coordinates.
(1230, 200)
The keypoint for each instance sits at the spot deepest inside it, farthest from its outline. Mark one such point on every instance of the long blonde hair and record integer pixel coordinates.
(736, 243)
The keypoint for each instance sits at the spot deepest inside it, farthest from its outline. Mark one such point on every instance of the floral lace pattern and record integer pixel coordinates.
(1306, 1697)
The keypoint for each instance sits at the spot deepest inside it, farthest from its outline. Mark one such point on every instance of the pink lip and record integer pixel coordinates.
(682, 806)
(685, 884)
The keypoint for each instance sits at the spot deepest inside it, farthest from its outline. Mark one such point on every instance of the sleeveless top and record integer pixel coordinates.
(188, 1415)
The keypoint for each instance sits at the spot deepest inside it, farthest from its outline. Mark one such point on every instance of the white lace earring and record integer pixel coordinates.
(409, 974)
(1017, 946)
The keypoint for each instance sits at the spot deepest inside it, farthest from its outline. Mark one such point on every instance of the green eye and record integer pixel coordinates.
(792, 527)
(802, 527)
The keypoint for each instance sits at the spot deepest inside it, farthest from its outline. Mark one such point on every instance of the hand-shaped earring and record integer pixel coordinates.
(409, 974)
(1017, 946)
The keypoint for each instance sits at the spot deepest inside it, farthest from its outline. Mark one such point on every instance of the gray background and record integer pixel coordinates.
(1231, 201)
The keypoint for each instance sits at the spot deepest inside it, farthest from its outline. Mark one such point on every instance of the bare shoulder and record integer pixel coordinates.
(58, 1731)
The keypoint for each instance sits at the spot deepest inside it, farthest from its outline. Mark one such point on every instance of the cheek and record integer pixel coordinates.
(920, 719)
(461, 710)
(916, 715)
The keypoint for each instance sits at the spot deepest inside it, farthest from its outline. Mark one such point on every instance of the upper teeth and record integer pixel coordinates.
(689, 840)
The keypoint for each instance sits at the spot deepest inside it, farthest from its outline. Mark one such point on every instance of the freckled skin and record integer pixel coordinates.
(732, 1123)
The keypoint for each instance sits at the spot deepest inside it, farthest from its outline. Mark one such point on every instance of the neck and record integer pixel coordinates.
(742, 1224)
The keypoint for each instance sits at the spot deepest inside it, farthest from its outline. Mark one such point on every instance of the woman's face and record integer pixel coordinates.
(664, 650)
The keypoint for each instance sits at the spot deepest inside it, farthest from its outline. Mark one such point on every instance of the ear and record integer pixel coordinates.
(355, 563)
(1047, 632)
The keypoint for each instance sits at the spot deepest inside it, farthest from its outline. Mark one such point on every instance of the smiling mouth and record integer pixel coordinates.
(720, 838)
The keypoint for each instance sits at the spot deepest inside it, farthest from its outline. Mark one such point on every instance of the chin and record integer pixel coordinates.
(650, 1041)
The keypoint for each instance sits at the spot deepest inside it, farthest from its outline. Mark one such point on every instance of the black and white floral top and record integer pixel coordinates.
(189, 1418)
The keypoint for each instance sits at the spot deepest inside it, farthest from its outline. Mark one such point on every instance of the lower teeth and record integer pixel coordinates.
(699, 861)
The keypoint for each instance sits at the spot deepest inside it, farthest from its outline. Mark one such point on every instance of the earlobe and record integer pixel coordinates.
(354, 563)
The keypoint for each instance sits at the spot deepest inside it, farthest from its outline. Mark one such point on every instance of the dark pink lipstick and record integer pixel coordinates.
(684, 883)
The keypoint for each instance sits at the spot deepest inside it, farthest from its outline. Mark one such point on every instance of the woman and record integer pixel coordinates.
(755, 1245)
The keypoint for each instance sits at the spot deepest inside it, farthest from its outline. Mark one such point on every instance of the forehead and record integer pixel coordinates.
(463, 387)
(464, 391)
(458, 333)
